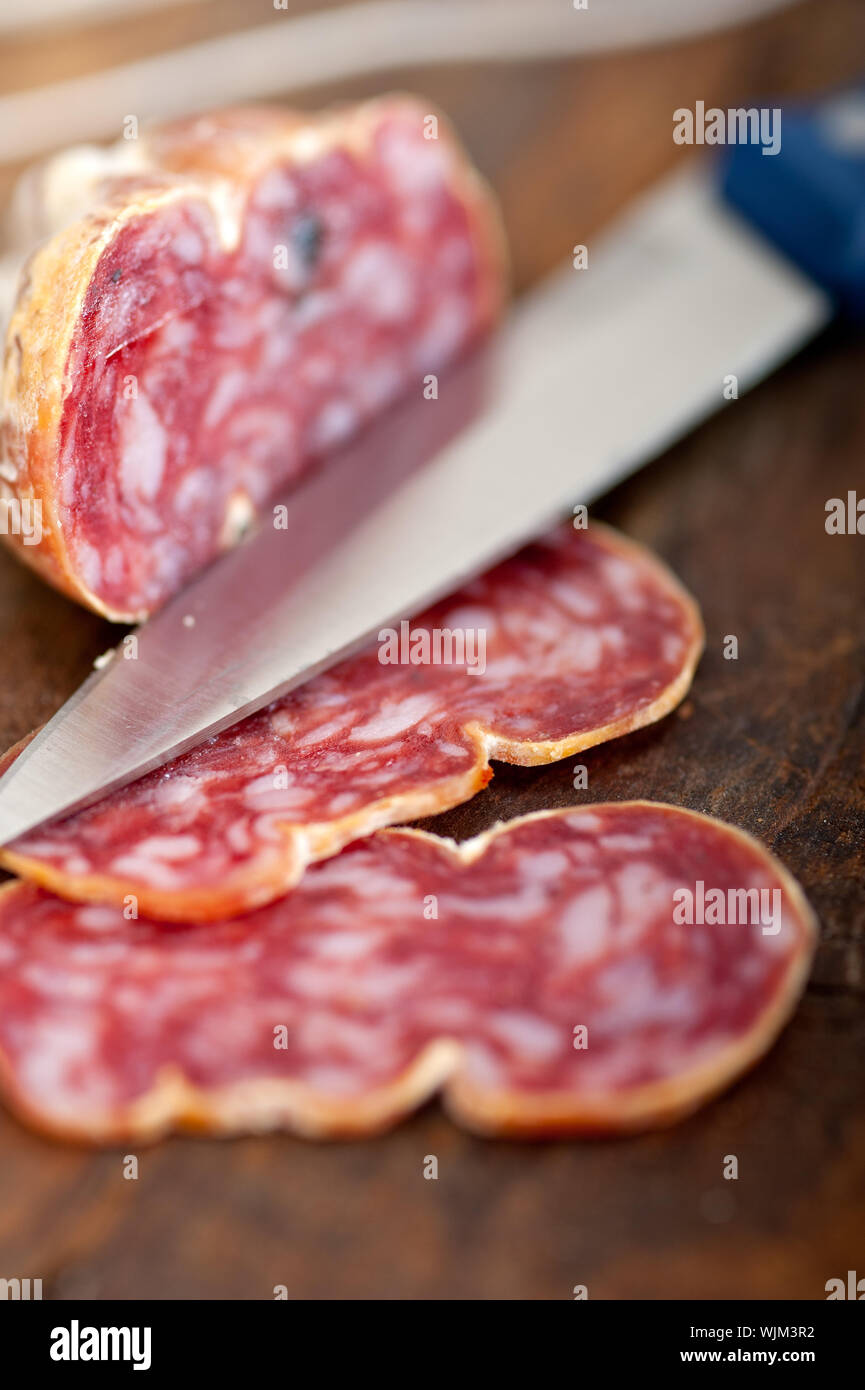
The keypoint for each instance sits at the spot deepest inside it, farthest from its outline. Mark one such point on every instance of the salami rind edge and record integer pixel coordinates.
(536, 976)
(211, 306)
(588, 638)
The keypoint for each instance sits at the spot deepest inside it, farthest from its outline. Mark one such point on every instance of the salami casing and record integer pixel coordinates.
(601, 969)
(586, 637)
(210, 307)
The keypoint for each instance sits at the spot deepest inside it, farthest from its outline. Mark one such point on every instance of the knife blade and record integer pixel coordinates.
(596, 372)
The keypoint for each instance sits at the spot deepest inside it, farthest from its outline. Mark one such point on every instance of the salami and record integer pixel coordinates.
(211, 307)
(586, 637)
(601, 969)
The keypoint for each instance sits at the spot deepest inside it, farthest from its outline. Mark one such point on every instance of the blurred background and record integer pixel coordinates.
(568, 112)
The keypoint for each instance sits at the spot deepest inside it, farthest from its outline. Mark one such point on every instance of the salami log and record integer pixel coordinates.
(601, 969)
(212, 306)
(586, 636)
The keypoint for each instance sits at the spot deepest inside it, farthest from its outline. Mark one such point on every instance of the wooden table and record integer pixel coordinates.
(773, 742)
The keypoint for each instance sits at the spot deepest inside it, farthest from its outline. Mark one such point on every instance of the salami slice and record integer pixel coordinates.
(602, 969)
(586, 637)
(213, 305)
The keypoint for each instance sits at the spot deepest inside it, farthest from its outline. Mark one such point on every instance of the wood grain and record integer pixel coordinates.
(774, 742)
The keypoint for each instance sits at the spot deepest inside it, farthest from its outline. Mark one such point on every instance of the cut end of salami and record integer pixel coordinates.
(586, 636)
(212, 307)
(603, 969)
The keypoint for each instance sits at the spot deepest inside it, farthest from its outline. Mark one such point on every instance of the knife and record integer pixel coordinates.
(596, 372)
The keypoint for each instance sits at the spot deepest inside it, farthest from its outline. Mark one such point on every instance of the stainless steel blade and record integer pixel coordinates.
(596, 372)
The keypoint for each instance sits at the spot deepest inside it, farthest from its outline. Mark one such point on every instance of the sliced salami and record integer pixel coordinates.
(603, 969)
(214, 305)
(585, 636)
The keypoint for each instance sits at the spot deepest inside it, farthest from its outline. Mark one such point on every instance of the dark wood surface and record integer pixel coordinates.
(773, 741)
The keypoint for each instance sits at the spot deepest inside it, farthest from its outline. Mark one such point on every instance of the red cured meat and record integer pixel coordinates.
(588, 637)
(216, 304)
(406, 966)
